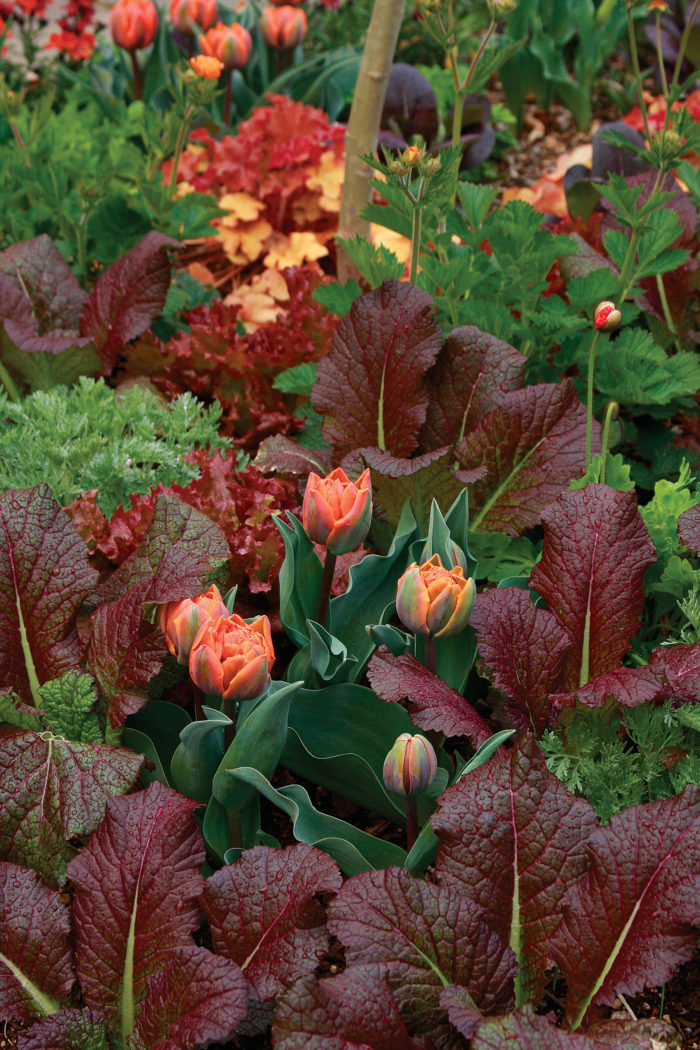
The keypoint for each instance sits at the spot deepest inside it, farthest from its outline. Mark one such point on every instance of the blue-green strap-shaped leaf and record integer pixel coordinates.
(329, 657)
(300, 580)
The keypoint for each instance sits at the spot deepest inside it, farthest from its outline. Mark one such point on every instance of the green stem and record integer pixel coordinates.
(480, 50)
(430, 655)
(589, 397)
(9, 384)
(671, 324)
(682, 47)
(138, 85)
(233, 821)
(326, 584)
(660, 60)
(610, 414)
(179, 145)
(637, 72)
(411, 822)
(415, 244)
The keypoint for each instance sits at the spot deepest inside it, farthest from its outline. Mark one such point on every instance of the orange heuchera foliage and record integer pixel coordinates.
(73, 38)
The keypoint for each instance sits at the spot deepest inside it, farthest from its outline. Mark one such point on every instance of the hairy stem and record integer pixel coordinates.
(610, 413)
(415, 244)
(589, 396)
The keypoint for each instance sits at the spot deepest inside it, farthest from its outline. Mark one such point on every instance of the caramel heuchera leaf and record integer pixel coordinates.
(263, 913)
(354, 1011)
(370, 386)
(435, 705)
(45, 576)
(67, 1030)
(532, 444)
(512, 839)
(199, 998)
(422, 935)
(470, 377)
(53, 790)
(136, 888)
(524, 649)
(596, 551)
(630, 921)
(36, 969)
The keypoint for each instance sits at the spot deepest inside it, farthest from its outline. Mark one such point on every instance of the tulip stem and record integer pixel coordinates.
(138, 86)
(411, 821)
(231, 711)
(430, 655)
(326, 584)
(227, 98)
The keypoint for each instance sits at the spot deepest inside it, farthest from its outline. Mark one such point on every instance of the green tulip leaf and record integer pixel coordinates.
(423, 851)
(397, 642)
(155, 730)
(482, 755)
(199, 755)
(299, 579)
(329, 657)
(138, 741)
(219, 826)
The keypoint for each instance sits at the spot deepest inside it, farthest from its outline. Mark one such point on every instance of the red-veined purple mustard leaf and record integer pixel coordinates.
(630, 920)
(45, 575)
(689, 528)
(650, 1034)
(435, 705)
(419, 480)
(67, 1030)
(460, 1009)
(524, 649)
(125, 652)
(36, 966)
(422, 936)
(279, 454)
(680, 667)
(354, 1011)
(532, 444)
(199, 998)
(263, 914)
(525, 1030)
(512, 838)
(596, 551)
(370, 386)
(53, 790)
(470, 377)
(128, 296)
(56, 301)
(136, 888)
(181, 552)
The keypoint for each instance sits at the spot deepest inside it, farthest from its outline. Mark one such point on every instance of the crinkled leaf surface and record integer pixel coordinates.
(263, 913)
(596, 551)
(525, 1030)
(136, 888)
(53, 790)
(67, 1030)
(435, 705)
(512, 838)
(630, 921)
(48, 288)
(36, 969)
(354, 1011)
(199, 998)
(470, 377)
(423, 936)
(370, 385)
(128, 296)
(689, 528)
(524, 649)
(45, 576)
(532, 444)
(420, 480)
(673, 673)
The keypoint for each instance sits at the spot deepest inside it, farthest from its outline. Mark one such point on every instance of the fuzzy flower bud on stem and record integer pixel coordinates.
(606, 317)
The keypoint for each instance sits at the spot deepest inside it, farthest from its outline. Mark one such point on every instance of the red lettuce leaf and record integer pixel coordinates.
(512, 839)
(199, 998)
(36, 969)
(67, 1030)
(128, 296)
(532, 445)
(370, 386)
(45, 576)
(434, 704)
(596, 551)
(524, 649)
(630, 921)
(136, 888)
(53, 790)
(470, 377)
(51, 300)
(422, 935)
(354, 1011)
(689, 528)
(263, 913)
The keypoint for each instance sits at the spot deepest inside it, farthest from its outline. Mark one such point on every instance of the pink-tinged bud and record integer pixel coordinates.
(283, 27)
(337, 512)
(231, 658)
(434, 601)
(231, 45)
(203, 13)
(180, 621)
(607, 317)
(410, 766)
(133, 23)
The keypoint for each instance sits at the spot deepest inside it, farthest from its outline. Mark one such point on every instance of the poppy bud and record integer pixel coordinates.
(202, 12)
(231, 658)
(607, 317)
(410, 766)
(337, 512)
(231, 45)
(180, 621)
(283, 27)
(133, 23)
(434, 601)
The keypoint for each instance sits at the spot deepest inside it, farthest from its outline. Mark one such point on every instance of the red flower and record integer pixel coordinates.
(283, 27)
(232, 44)
(231, 658)
(202, 12)
(133, 23)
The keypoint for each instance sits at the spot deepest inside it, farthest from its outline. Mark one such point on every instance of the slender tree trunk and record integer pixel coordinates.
(365, 116)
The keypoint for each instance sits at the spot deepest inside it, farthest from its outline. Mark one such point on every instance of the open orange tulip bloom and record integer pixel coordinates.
(434, 601)
(337, 512)
(180, 621)
(231, 658)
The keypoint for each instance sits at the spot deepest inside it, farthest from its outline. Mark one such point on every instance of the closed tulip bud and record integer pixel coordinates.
(434, 601)
(607, 317)
(283, 27)
(133, 23)
(337, 512)
(203, 13)
(231, 45)
(181, 621)
(231, 658)
(410, 766)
